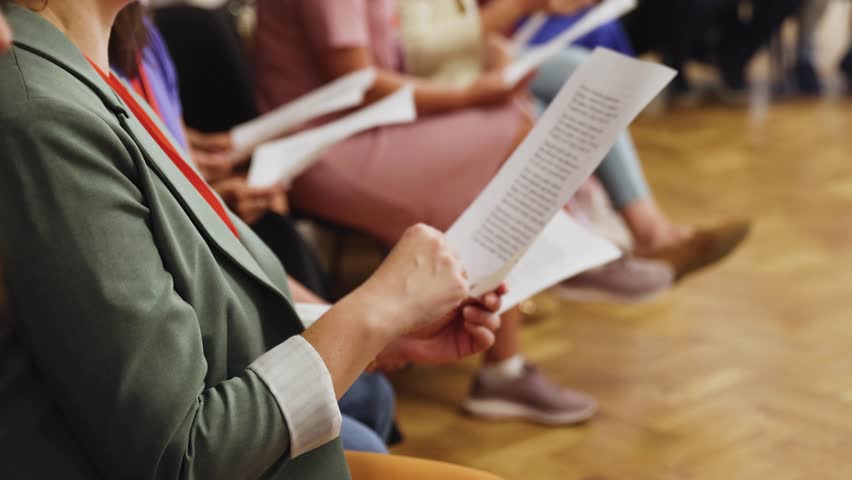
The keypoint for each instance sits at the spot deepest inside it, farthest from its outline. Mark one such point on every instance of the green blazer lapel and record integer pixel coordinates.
(39, 36)
(203, 215)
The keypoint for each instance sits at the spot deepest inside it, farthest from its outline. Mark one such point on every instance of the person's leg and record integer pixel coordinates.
(360, 438)
(741, 38)
(809, 18)
(371, 401)
(846, 62)
(508, 343)
(365, 466)
(508, 387)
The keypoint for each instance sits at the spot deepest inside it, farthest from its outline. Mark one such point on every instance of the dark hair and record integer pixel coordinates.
(128, 38)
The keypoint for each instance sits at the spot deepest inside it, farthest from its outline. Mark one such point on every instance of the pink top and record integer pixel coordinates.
(293, 35)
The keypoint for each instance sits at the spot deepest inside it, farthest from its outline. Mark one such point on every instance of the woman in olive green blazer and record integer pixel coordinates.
(147, 339)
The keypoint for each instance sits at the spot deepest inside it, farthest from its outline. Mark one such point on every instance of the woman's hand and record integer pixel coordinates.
(416, 293)
(251, 203)
(417, 284)
(470, 330)
(491, 89)
(214, 154)
(213, 166)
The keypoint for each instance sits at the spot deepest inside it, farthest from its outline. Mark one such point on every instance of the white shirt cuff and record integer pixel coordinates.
(299, 380)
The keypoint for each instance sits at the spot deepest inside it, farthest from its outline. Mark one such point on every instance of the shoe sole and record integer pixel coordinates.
(504, 410)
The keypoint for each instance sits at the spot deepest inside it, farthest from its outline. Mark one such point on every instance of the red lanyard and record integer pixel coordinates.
(142, 85)
(167, 147)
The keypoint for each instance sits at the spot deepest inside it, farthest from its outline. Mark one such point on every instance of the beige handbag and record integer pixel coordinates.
(442, 39)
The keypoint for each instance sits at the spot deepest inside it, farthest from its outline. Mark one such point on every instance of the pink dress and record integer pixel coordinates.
(389, 178)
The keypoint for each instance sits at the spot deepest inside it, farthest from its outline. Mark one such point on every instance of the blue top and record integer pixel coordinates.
(610, 35)
(163, 81)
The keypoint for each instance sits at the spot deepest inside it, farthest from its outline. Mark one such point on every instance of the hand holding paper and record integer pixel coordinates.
(569, 141)
(285, 159)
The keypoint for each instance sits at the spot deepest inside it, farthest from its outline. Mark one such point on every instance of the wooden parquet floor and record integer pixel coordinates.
(743, 372)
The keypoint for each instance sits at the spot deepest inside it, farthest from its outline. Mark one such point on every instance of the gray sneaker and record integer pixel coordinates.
(532, 397)
(628, 279)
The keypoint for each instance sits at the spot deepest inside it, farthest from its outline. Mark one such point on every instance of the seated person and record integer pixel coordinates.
(679, 31)
(429, 170)
(806, 79)
(153, 333)
(370, 400)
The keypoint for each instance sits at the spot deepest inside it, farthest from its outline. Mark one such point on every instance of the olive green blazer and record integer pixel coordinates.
(135, 311)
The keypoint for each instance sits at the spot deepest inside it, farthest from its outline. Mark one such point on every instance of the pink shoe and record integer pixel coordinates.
(628, 279)
(532, 397)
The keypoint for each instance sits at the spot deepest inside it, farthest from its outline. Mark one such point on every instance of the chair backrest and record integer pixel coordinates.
(211, 64)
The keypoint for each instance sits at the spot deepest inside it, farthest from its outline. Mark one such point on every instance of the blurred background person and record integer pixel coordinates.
(725, 33)
(805, 75)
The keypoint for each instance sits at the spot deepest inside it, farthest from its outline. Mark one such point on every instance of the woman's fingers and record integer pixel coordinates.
(218, 142)
(490, 301)
(477, 316)
(481, 338)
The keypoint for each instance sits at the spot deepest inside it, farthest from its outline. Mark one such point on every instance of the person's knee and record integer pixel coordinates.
(358, 437)
(556, 71)
(384, 391)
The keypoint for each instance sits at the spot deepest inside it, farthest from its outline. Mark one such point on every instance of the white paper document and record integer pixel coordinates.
(309, 313)
(531, 59)
(346, 92)
(564, 249)
(285, 159)
(527, 31)
(568, 142)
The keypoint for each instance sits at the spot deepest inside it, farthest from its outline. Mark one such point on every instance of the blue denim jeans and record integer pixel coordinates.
(368, 409)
